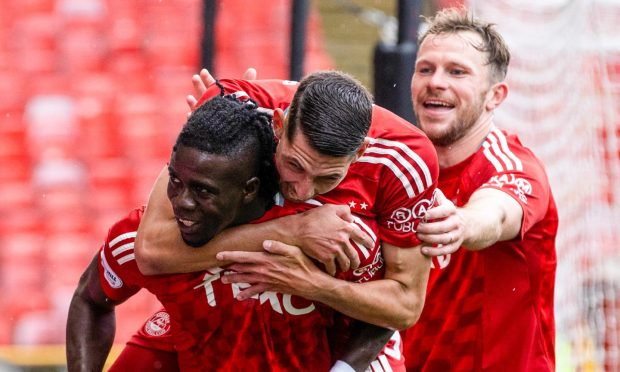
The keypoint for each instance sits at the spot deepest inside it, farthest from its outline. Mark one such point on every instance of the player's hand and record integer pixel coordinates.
(443, 228)
(203, 80)
(281, 268)
(328, 234)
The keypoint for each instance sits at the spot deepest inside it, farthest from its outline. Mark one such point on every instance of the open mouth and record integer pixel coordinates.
(437, 104)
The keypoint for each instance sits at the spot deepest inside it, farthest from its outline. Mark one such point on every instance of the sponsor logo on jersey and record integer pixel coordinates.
(110, 276)
(366, 273)
(280, 303)
(406, 219)
(158, 324)
(521, 187)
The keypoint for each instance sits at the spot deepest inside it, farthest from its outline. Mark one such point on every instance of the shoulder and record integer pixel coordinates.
(121, 238)
(402, 149)
(505, 153)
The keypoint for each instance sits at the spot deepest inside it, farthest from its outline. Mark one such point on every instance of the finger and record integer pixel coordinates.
(277, 247)
(344, 263)
(199, 86)
(240, 257)
(206, 78)
(440, 250)
(330, 267)
(445, 238)
(239, 277)
(253, 291)
(361, 238)
(436, 227)
(352, 255)
(344, 212)
(191, 102)
(250, 74)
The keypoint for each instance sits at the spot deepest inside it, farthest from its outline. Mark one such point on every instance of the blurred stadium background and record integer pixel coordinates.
(92, 97)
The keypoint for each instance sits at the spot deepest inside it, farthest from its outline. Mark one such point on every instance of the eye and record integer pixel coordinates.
(174, 180)
(424, 70)
(295, 166)
(457, 71)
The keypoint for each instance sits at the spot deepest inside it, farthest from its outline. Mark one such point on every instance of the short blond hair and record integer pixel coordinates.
(455, 20)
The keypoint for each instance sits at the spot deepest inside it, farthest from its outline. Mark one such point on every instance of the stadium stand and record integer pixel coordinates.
(93, 97)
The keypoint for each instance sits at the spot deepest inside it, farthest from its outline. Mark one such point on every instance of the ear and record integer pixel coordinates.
(250, 191)
(497, 94)
(362, 149)
(278, 122)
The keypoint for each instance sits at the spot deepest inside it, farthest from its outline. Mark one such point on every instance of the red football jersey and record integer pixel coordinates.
(391, 186)
(210, 328)
(392, 183)
(492, 310)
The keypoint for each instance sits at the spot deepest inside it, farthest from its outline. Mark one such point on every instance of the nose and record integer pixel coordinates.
(184, 200)
(438, 80)
(304, 190)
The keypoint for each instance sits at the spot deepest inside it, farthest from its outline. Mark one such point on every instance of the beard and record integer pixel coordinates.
(464, 121)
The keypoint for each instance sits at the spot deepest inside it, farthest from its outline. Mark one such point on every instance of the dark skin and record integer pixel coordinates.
(91, 326)
(91, 332)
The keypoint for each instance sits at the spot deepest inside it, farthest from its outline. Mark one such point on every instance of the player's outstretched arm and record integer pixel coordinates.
(91, 324)
(394, 302)
(489, 216)
(159, 248)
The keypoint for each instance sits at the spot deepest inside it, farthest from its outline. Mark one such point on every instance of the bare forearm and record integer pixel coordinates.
(90, 334)
(385, 303)
(489, 217)
(164, 252)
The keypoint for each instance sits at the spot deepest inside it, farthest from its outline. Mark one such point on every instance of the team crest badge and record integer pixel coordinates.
(158, 325)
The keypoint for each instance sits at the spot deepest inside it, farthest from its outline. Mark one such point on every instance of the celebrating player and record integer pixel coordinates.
(386, 178)
(489, 306)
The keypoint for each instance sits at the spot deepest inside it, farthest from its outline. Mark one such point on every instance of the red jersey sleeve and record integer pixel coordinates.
(269, 94)
(118, 272)
(408, 179)
(519, 174)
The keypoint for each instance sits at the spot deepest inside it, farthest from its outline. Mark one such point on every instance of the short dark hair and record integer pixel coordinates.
(226, 126)
(455, 20)
(333, 111)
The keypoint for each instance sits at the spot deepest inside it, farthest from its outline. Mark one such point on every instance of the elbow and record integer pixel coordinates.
(147, 263)
(409, 316)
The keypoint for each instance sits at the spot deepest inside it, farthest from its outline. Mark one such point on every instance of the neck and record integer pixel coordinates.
(252, 211)
(466, 146)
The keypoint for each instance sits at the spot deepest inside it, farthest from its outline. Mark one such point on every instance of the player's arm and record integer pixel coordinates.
(91, 324)
(367, 340)
(394, 302)
(490, 215)
(160, 249)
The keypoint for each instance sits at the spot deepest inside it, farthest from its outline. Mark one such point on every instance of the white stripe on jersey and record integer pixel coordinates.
(388, 163)
(122, 248)
(496, 150)
(408, 167)
(504, 144)
(124, 259)
(375, 366)
(409, 152)
(121, 238)
(385, 363)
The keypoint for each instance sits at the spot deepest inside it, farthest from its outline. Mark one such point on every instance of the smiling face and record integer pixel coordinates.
(207, 192)
(451, 88)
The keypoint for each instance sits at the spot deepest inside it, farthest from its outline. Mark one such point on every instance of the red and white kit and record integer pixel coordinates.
(471, 293)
